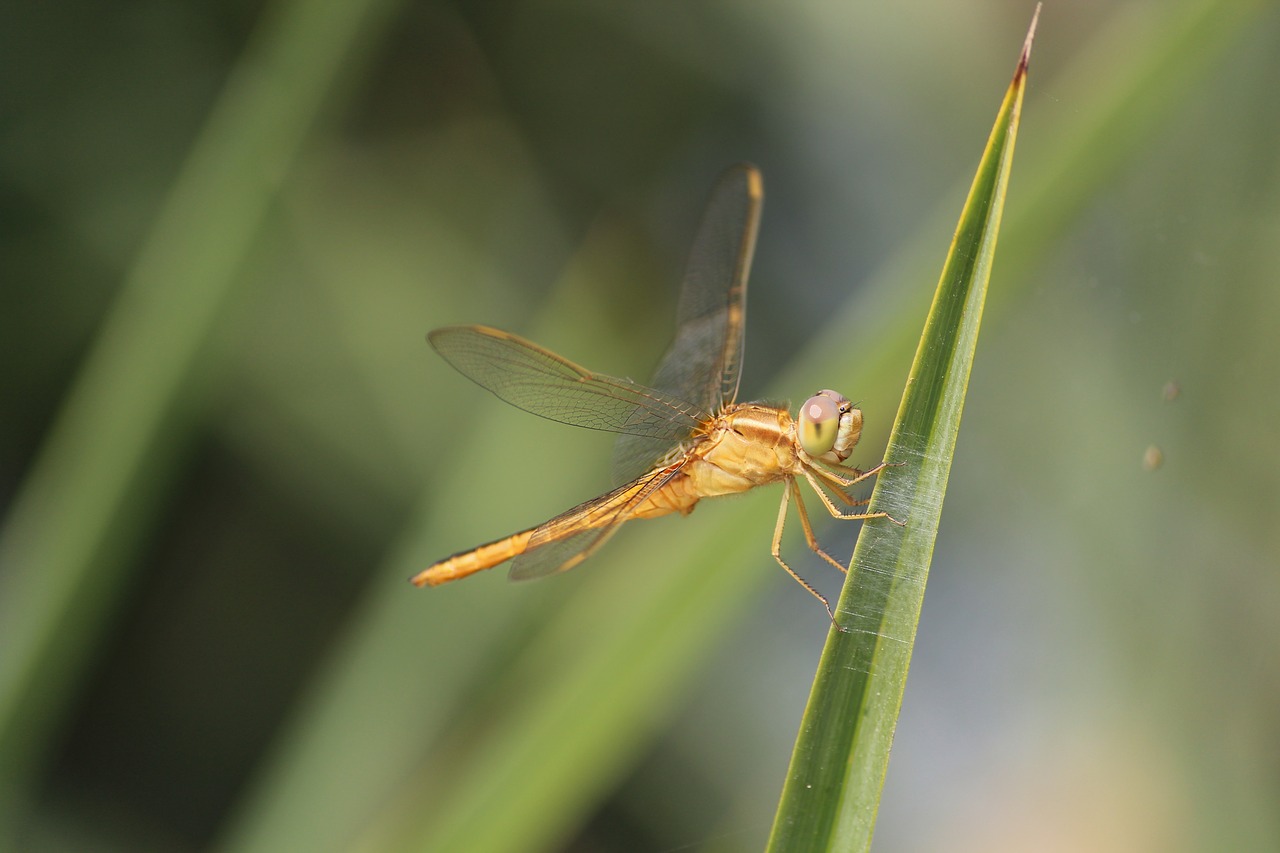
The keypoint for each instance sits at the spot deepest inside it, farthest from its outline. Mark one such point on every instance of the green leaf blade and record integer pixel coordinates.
(832, 792)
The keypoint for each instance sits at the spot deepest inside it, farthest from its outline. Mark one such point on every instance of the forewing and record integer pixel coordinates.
(704, 362)
(571, 537)
(541, 382)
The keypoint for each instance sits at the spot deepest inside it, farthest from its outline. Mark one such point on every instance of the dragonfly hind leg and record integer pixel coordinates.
(813, 543)
(807, 527)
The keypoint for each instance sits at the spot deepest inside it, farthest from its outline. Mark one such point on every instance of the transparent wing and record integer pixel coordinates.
(704, 362)
(571, 537)
(541, 382)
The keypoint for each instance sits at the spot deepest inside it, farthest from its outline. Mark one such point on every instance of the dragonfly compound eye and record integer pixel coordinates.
(819, 424)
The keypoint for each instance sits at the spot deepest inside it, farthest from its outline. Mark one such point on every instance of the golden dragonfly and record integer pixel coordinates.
(683, 437)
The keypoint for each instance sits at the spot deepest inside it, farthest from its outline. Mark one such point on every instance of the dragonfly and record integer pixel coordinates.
(683, 437)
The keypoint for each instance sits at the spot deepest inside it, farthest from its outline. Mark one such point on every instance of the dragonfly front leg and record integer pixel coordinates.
(838, 484)
(777, 548)
(835, 485)
(857, 475)
(847, 516)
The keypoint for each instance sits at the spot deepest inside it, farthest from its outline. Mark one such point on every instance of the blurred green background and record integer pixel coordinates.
(226, 444)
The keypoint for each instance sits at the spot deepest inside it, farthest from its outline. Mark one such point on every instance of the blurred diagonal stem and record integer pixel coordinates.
(65, 546)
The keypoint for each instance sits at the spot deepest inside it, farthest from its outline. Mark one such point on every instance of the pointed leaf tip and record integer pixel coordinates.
(1026, 45)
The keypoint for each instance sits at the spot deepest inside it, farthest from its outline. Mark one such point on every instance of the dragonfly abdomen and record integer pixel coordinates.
(475, 560)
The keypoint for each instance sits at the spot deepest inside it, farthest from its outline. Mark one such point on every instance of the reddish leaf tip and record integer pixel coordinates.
(1026, 45)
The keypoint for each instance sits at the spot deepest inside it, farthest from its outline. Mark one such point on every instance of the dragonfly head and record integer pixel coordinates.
(829, 426)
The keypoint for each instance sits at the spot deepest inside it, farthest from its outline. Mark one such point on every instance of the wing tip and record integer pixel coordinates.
(750, 174)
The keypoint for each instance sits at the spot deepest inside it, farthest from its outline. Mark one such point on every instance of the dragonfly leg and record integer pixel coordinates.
(777, 551)
(837, 512)
(833, 483)
(808, 529)
(838, 483)
(856, 475)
